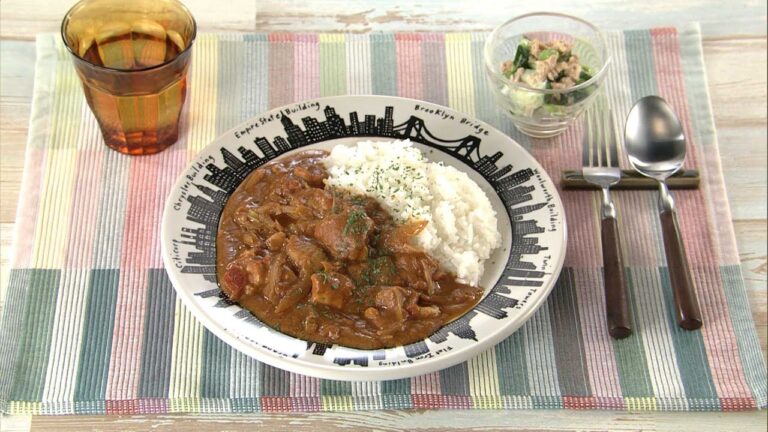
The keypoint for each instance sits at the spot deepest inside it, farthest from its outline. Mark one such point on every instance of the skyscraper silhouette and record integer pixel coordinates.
(251, 159)
(388, 129)
(239, 167)
(296, 136)
(281, 144)
(315, 131)
(265, 147)
(354, 124)
(370, 125)
(336, 126)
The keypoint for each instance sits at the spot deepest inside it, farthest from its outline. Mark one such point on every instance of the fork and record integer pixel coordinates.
(600, 166)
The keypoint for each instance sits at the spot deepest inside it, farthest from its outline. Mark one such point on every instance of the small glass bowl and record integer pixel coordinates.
(545, 112)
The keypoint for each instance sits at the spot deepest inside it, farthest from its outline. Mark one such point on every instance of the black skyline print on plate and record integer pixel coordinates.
(512, 188)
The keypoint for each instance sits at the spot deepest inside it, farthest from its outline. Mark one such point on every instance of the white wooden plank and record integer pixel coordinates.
(24, 18)
(427, 420)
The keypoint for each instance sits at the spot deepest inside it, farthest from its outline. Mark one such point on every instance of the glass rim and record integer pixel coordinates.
(497, 76)
(80, 3)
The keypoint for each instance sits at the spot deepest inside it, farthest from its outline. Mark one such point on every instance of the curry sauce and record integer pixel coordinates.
(327, 266)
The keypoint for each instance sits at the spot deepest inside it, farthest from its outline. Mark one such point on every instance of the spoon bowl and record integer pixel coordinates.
(655, 141)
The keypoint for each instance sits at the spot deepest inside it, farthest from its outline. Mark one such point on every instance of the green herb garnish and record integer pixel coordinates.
(378, 270)
(355, 223)
(328, 279)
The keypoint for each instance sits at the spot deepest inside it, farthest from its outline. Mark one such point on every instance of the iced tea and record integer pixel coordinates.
(132, 58)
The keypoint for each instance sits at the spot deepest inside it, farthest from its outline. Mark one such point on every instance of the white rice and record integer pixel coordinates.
(462, 228)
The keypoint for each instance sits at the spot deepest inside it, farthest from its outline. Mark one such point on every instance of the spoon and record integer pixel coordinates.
(655, 144)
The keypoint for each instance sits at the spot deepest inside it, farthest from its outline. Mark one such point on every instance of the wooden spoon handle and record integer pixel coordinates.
(616, 304)
(687, 306)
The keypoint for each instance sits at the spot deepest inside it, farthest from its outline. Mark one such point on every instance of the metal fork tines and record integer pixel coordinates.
(601, 167)
(600, 159)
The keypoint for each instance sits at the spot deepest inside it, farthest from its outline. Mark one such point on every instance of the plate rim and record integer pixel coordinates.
(337, 372)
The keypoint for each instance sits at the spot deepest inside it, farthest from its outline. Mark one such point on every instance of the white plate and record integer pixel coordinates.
(517, 279)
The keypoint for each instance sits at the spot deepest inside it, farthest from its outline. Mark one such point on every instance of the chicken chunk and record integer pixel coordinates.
(245, 275)
(331, 289)
(374, 317)
(275, 241)
(391, 299)
(345, 234)
(319, 200)
(305, 255)
(423, 312)
(312, 174)
(388, 314)
(394, 305)
(418, 270)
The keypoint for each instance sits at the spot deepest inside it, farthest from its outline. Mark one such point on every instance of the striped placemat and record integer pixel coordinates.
(92, 325)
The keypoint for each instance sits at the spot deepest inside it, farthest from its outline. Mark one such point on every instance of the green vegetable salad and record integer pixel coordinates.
(545, 65)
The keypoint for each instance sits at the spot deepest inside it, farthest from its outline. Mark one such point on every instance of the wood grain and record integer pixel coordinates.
(735, 60)
(493, 420)
(738, 92)
(16, 82)
(22, 19)
(437, 15)
(6, 239)
(752, 239)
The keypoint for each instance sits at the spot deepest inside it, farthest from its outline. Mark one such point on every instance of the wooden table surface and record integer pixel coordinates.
(735, 58)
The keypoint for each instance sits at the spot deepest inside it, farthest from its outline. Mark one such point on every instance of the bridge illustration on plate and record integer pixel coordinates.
(513, 188)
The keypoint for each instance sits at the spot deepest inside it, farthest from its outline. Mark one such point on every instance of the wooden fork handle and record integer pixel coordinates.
(616, 302)
(686, 304)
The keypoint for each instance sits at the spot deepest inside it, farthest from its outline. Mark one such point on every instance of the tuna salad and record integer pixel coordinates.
(545, 65)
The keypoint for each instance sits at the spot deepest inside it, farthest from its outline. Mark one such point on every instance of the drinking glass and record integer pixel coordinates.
(132, 59)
